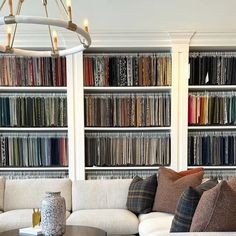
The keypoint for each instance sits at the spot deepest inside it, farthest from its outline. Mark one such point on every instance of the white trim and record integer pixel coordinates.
(228, 127)
(33, 89)
(32, 129)
(32, 168)
(70, 115)
(127, 129)
(214, 39)
(123, 168)
(211, 87)
(214, 167)
(180, 114)
(79, 117)
(127, 89)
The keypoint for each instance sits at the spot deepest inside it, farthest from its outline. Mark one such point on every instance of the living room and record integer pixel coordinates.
(119, 113)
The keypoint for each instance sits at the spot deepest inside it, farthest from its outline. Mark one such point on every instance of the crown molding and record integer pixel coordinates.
(214, 39)
(129, 39)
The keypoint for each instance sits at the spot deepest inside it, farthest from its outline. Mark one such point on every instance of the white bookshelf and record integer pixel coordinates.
(34, 168)
(34, 91)
(220, 127)
(33, 129)
(117, 129)
(128, 89)
(209, 128)
(211, 87)
(134, 89)
(123, 168)
(215, 167)
(41, 89)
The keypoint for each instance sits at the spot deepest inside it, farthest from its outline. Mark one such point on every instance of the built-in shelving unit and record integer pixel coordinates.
(33, 123)
(211, 129)
(127, 90)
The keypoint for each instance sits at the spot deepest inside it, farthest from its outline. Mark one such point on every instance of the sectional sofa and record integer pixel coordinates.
(97, 203)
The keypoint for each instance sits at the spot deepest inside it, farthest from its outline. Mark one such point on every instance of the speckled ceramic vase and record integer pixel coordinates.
(53, 214)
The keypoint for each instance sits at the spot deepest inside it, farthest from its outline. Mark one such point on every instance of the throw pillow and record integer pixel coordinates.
(141, 194)
(187, 205)
(171, 185)
(191, 171)
(232, 182)
(216, 210)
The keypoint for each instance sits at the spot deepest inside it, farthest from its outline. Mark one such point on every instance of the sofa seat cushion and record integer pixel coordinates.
(113, 221)
(16, 219)
(159, 222)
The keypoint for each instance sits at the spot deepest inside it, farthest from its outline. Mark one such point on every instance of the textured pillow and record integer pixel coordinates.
(170, 186)
(191, 171)
(216, 210)
(141, 194)
(232, 182)
(187, 205)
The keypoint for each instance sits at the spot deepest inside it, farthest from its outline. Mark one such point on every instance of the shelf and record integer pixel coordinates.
(33, 168)
(233, 127)
(128, 89)
(127, 128)
(32, 129)
(33, 89)
(123, 168)
(211, 87)
(215, 167)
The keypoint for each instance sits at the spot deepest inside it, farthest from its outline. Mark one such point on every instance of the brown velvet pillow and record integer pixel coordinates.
(171, 185)
(232, 182)
(191, 171)
(216, 210)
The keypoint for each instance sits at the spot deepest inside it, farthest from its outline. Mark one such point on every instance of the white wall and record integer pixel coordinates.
(148, 15)
(158, 15)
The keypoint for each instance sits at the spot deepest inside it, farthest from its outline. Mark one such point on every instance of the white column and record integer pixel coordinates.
(181, 75)
(179, 115)
(174, 112)
(79, 116)
(70, 116)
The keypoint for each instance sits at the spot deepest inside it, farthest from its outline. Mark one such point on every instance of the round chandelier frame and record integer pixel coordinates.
(83, 34)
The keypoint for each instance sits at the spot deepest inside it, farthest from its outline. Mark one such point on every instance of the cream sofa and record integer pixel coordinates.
(98, 203)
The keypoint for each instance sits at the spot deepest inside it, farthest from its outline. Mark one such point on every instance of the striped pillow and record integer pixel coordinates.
(141, 194)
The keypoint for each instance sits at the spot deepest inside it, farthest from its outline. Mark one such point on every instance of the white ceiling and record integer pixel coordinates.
(149, 15)
(159, 15)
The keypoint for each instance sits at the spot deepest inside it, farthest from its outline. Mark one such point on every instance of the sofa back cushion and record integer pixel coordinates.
(28, 193)
(2, 189)
(100, 194)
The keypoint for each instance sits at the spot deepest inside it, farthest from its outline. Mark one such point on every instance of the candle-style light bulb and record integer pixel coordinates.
(55, 40)
(68, 3)
(8, 36)
(10, 7)
(86, 25)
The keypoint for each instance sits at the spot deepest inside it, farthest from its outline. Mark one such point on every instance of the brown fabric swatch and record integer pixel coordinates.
(216, 210)
(171, 185)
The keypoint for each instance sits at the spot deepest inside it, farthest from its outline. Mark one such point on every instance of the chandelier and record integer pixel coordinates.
(14, 19)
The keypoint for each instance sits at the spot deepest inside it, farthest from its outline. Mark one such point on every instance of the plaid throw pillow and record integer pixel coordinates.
(187, 205)
(141, 194)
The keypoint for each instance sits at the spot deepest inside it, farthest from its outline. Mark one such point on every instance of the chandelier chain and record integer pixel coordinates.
(63, 5)
(60, 10)
(3, 3)
(49, 28)
(19, 6)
